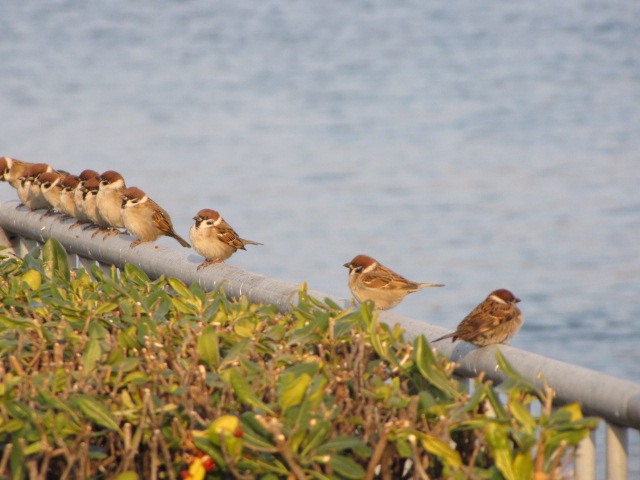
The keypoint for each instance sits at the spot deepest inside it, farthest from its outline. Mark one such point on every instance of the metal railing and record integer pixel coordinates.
(615, 400)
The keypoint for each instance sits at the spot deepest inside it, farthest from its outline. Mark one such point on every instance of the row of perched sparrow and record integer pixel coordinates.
(104, 202)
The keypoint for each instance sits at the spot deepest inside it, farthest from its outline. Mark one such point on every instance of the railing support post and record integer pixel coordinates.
(617, 453)
(585, 462)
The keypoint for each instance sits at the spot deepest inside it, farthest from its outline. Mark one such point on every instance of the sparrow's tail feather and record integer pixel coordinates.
(450, 335)
(249, 242)
(430, 285)
(181, 240)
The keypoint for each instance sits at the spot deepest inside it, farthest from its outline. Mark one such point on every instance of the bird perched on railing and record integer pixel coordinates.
(496, 320)
(145, 219)
(90, 205)
(51, 187)
(29, 191)
(370, 280)
(215, 239)
(109, 199)
(78, 197)
(67, 200)
(11, 170)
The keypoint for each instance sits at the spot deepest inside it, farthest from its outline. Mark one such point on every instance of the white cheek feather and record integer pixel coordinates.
(370, 267)
(217, 222)
(497, 299)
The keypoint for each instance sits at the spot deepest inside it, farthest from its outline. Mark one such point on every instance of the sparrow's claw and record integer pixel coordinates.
(208, 262)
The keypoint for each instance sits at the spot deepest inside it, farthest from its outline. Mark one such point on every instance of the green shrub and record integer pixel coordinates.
(115, 375)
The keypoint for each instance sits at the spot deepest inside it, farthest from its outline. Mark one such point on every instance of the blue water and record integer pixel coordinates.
(483, 145)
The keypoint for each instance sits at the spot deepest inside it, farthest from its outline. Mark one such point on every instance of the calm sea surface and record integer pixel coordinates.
(482, 145)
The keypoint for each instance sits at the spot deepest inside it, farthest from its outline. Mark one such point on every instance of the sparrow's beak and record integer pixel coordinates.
(347, 265)
(517, 300)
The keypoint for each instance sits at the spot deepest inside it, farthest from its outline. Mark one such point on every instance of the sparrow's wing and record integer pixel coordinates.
(386, 279)
(482, 321)
(163, 221)
(228, 235)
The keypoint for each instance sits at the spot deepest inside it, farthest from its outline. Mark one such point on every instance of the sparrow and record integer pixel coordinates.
(51, 188)
(78, 196)
(145, 219)
(215, 239)
(67, 200)
(11, 170)
(496, 320)
(109, 199)
(29, 190)
(370, 280)
(90, 204)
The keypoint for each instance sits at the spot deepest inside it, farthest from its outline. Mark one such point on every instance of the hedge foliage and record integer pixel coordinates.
(112, 375)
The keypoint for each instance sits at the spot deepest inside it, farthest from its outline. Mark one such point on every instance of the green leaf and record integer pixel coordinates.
(244, 392)
(440, 449)
(521, 414)
(340, 443)
(96, 411)
(515, 379)
(180, 287)
(55, 261)
(249, 422)
(128, 476)
(208, 348)
(316, 436)
(136, 274)
(497, 438)
(496, 404)
(17, 462)
(15, 323)
(105, 308)
(126, 338)
(310, 368)
(238, 350)
(374, 337)
(33, 279)
(136, 378)
(254, 440)
(523, 465)
(12, 425)
(91, 355)
(205, 445)
(346, 467)
(293, 393)
(428, 367)
(183, 306)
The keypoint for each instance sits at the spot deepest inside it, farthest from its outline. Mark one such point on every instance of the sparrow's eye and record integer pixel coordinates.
(6, 171)
(46, 185)
(209, 222)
